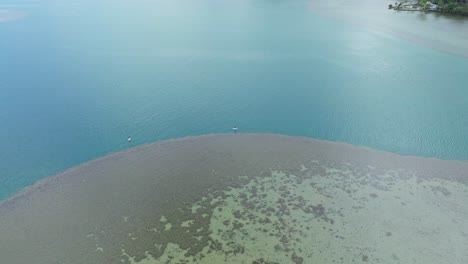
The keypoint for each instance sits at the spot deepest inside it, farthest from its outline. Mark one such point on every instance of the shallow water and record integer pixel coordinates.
(76, 81)
(243, 198)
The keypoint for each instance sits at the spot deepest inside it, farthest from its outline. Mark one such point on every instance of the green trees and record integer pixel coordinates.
(424, 5)
(456, 7)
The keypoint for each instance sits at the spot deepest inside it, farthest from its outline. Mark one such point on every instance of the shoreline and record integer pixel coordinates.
(448, 9)
(41, 183)
(407, 26)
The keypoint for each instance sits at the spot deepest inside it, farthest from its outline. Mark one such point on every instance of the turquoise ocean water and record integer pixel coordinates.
(76, 79)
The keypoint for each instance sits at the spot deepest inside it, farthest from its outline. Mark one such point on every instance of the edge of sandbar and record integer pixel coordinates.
(456, 165)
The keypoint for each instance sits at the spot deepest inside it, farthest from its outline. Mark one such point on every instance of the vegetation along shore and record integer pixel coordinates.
(455, 7)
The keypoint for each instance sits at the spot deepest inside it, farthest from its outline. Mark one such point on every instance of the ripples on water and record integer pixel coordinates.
(443, 32)
(163, 69)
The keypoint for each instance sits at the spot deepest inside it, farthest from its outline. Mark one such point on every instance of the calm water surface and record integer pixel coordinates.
(77, 79)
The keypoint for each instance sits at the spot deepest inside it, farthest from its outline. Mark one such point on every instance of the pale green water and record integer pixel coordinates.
(338, 216)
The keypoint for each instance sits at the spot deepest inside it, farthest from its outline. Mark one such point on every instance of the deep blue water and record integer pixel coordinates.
(77, 79)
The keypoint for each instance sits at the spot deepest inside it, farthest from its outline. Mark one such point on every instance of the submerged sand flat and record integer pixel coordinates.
(243, 198)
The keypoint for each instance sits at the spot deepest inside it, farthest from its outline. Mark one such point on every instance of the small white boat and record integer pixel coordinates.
(129, 139)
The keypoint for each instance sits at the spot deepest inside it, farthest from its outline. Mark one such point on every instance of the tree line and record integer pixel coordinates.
(456, 7)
